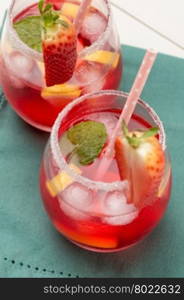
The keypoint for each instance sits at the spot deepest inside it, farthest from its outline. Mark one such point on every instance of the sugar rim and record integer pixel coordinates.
(30, 52)
(60, 160)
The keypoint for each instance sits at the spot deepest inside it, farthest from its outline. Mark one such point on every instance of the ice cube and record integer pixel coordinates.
(90, 75)
(26, 70)
(121, 220)
(118, 211)
(18, 67)
(17, 83)
(20, 63)
(95, 87)
(76, 201)
(35, 78)
(93, 26)
(107, 118)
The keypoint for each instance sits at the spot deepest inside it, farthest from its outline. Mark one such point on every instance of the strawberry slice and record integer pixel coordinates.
(59, 44)
(141, 161)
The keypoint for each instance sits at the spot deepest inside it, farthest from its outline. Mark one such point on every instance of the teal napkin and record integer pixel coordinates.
(31, 247)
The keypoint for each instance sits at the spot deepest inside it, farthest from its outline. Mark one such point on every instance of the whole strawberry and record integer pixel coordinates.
(141, 161)
(59, 44)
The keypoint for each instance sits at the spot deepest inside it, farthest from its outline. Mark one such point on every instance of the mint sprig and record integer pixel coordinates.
(49, 16)
(135, 140)
(89, 137)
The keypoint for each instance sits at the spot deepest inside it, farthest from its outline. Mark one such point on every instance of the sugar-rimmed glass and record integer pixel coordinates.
(96, 215)
(99, 66)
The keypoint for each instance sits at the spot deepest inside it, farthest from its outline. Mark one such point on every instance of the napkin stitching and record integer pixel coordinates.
(38, 269)
(2, 99)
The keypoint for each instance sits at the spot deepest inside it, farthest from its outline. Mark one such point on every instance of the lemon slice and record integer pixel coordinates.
(108, 242)
(61, 91)
(99, 242)
(104, 57)
(70, 10)
(61, 181)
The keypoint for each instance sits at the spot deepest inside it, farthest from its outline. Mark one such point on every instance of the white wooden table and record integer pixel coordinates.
(155, 24)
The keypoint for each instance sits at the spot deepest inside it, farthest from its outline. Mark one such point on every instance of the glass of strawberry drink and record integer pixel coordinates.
(129, 201)
(47, 61)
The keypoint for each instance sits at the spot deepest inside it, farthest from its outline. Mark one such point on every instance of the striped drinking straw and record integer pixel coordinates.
(128, 109)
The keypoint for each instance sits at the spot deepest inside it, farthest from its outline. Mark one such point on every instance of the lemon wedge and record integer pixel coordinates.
(70, 10)
(108, 242)
(61, 181)
(104, 57)
(61, 91)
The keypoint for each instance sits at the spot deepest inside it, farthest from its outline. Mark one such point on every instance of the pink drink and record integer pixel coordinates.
(22, 68)
(99, 218)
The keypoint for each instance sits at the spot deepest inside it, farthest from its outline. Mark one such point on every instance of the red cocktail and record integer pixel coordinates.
(98, 65)
(131, 198)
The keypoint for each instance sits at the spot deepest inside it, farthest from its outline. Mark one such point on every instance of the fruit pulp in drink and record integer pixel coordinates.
(23, 76)
(98, 222)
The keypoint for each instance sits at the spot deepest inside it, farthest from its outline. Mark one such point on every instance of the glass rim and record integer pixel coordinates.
(63, 165)
(35, 54)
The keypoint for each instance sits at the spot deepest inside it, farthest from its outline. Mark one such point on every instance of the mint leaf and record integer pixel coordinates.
(40, 6)
(150, 132)
(89, 138)
(29, 28)
(29, 31)
(48, 7)
(134, 139)
(49, 16)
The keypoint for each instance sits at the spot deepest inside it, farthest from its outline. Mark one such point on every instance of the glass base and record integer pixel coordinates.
(100, 250)
(36, 125)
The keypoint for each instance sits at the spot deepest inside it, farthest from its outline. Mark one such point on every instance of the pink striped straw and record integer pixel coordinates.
(84, 6)
(128, 109)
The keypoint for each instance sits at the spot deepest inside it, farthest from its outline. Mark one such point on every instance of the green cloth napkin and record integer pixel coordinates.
(31, 247)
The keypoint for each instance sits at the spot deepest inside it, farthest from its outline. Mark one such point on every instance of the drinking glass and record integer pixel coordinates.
(98, 67)
(99, 215)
